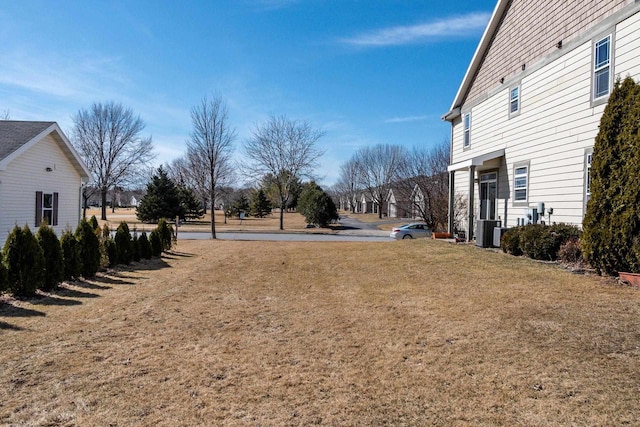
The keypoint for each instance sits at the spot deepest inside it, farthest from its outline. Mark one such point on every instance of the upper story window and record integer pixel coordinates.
(467, 130)
(602, 68)
(520, 183)
(514, 100)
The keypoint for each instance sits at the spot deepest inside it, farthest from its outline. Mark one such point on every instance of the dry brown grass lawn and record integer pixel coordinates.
(345, 334)
(293, 221)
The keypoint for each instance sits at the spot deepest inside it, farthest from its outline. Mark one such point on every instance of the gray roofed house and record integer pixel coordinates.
(41, 177)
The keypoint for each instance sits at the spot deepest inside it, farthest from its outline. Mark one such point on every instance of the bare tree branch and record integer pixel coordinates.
(286, 150)
(107, 136)
(210, 148)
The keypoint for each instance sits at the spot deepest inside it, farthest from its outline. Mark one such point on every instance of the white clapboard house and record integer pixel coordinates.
(525, 117)
(41, 177)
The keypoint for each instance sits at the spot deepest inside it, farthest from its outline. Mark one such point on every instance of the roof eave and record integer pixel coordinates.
(496, 17)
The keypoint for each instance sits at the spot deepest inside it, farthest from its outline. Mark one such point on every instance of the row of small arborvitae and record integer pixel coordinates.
(42, 261)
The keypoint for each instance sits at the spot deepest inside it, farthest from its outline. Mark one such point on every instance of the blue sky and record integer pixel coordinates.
(365, 72)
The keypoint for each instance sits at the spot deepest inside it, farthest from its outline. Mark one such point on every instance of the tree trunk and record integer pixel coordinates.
(213, 214)
(282, 205)
(85, 200)
(103, 195)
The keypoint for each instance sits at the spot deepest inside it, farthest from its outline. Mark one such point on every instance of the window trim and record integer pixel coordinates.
(609, 36)
(517, 166)
(41, 209)
(518, 100)
(466, 130)
(588, 159)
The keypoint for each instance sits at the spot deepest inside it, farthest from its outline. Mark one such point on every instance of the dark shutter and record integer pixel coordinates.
(38, 208)
(54, 218)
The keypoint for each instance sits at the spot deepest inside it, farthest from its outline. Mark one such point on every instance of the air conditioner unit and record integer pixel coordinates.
(484, 232)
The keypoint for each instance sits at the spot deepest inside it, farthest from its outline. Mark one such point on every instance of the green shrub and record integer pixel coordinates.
(71, 256)
(156, 243)
(111, 250)
(24, 260)
(543, 241)
(123, 243)
(145, 246)
(165, 232)
(510, 241)
(612, 219)
(3, 275)
(89, 248)
(94, 222)
(54, 261)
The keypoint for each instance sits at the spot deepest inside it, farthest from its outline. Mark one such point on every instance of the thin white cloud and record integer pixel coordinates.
(407, 119)
(456, 26)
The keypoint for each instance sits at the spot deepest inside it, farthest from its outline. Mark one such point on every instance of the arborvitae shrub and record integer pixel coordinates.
(135, 247)
(612, 220)
(111, 249)
(123, 243)
(94, 222)
(54, 261)
(510, 241)
(3, 275)
(165, 230)
(24, 260)
(156, 243)
(145, 246)
(71, 255)
(89, 248)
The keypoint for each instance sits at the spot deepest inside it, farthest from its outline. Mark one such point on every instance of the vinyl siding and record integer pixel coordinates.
(26, 174)
(556, 124)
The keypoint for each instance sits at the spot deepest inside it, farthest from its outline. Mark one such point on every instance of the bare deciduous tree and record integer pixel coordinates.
(107, 136)
(210, 148)
(425, 172)
(5, 115)
(347, 185)
(287, 150)
(378, 167)
(181, 171)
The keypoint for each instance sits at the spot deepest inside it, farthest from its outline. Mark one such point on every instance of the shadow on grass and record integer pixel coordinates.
(111, 279)
(343, 228)
(52, 300)
(9, 327)
(88, 285)
(10, 310)
(74, 293)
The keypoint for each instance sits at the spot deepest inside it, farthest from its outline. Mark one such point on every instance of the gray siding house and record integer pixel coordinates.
(41, 177)
(525, 117)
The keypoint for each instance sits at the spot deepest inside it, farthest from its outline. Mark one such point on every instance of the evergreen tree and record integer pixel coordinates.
(94, 222)
(54, 262)
(316, 205)
(239, 204)
(162, 199)
(260, 204)
(611, 238)
(89, 249)
(71, 256)
(145, 246)
(190, 203)
(24, 261)
(123, 244)
(155, 242)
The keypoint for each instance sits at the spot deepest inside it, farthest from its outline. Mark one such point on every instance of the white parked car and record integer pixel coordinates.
(411, 231)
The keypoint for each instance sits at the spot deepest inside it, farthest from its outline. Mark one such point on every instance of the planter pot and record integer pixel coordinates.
(632, 278)
(441, 235)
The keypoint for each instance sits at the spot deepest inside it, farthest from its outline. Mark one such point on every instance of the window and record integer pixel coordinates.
(602, 68)
(520, 181)
(467, 130)
(46, 208)
(514, 100)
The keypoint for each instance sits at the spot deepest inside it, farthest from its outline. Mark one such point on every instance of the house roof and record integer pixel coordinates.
(476, 61)
(18, 136)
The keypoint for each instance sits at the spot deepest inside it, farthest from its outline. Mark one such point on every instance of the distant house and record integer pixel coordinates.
(398, 203)
(525, 117)
(41, 177)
